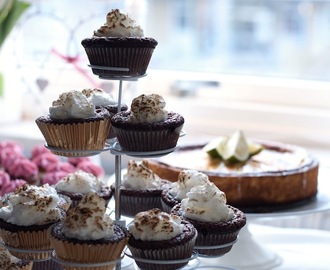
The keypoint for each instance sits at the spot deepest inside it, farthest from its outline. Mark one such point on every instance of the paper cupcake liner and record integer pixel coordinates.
(131, 205)
(28, 266)
(35, 241)
(165, 207)
(209, 239)
(77, 136)
(168, 201)
(136, 59)
(145, 141)
(46, 265)
(175, 253)
(87, 253)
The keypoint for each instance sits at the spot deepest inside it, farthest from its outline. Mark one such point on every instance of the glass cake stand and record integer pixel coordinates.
(248, 254)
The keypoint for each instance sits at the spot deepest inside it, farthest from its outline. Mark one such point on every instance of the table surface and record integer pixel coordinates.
(303, 249)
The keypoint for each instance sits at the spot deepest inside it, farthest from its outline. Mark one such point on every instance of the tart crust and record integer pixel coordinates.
(256, 189)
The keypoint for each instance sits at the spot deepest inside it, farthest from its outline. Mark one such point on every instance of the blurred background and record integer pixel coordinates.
(258, 65)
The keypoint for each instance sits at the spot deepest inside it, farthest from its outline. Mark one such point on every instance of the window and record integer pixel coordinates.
(258, 65)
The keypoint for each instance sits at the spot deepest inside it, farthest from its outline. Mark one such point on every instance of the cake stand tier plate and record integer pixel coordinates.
(248, 254)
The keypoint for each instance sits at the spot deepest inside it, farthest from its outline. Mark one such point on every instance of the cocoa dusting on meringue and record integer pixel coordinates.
(155, 225)
(79, 182)
(32, 205)
(99, 97)
(206, 203)
(119, 24)
(139, 176)
(186, 180)
(88, 220)
(148, 108)
(72, 104)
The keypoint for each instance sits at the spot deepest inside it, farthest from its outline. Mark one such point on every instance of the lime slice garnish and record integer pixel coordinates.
(254, 148)
(213, 148)
(236, 148)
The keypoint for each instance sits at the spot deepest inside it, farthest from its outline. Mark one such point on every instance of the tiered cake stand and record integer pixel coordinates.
(116, 150)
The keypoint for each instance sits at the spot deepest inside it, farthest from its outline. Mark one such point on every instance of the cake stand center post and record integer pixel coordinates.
(118, 176)
(118, 168)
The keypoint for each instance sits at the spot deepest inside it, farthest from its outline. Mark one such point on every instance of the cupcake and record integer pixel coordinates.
(105, 100)
(119, 48)
(217, 223)
(87, 235)
(159, 236)
(74, 125)
(147, 126)
(140, 189)
(178, 190)
(25, 217)
(10, 262)
(75, 185)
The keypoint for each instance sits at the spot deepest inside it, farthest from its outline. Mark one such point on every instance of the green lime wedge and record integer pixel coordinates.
(236, 148)
(213, 148)
(254, 148)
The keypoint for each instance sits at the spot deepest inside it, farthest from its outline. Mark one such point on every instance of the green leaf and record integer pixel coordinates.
(12, 11)
(4, 9)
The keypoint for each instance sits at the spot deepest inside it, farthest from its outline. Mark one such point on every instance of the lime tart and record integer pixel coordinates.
(256, 176)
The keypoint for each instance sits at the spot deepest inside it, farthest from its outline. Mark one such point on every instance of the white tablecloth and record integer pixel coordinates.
(293, 249)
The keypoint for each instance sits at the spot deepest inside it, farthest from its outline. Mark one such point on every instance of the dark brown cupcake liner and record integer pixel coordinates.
(131, 205)
(210, 241)
(215, 238)
(148, 140)
(46, 265)
(168, 201)
(179, 252)
(113, 110)
(135, 59)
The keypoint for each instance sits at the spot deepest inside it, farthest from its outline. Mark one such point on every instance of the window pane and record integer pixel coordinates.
(268, 37)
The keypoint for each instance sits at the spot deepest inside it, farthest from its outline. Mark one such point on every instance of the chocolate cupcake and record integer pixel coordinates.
(75, 185)
(119, 48)
(217, 223)
(105, 100)
(140, 189)
(25, 218)
(87, 235)
(147, 126)
(157, 236)
(10, 262)
(178, 190)
(74, 125)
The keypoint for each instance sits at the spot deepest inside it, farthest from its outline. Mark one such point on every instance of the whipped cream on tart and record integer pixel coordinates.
(278, 177)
